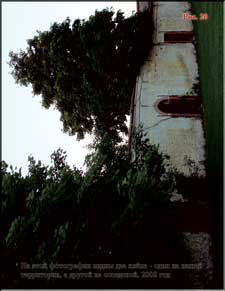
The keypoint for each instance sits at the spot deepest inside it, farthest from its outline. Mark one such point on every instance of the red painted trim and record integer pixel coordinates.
(178, 36)
(138, 6)
(131, 115)
(156, 106)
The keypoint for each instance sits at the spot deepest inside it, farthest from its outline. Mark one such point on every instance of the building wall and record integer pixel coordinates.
(170, 70)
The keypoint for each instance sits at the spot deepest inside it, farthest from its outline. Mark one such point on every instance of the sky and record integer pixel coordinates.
(28, 128)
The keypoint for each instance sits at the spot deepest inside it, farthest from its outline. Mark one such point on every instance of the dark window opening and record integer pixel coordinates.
(186, 105)
(178, 36)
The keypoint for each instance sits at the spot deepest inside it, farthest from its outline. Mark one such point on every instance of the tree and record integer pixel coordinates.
(87, 70)
(107, 214)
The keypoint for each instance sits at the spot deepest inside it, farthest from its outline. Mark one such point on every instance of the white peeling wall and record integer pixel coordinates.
(170, 70)
(168, 17)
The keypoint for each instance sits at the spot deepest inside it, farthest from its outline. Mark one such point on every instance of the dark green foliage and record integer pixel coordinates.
(211, 32)
(118, 211)
(87, 70)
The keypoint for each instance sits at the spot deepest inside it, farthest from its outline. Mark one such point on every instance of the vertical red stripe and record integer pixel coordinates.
(138, 6)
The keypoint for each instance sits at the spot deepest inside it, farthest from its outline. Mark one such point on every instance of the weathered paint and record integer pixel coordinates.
(171, 69)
